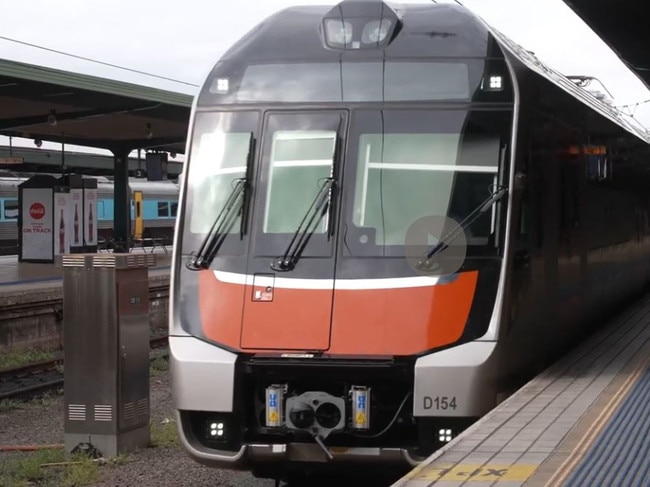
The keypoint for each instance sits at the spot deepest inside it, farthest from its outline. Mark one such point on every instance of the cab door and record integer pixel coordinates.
(290, 277)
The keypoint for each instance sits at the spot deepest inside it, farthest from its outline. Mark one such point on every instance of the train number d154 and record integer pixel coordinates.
(439, 403)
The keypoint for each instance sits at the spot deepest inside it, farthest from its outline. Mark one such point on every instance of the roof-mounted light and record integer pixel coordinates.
(360, 24)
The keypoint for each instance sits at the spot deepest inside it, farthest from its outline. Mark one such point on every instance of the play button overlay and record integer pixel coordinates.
(435, 246)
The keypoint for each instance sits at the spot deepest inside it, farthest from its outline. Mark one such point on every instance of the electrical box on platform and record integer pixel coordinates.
(106, 352)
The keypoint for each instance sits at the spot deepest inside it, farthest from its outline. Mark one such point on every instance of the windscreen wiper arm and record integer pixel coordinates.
(288, 260)
(426, 262)
(218, 231)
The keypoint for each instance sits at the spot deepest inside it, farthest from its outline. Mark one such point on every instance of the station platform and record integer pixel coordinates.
(16, 275)
(585, 421)
(31, 301)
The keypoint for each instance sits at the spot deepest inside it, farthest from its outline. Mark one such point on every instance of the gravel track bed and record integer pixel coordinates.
(41, 422)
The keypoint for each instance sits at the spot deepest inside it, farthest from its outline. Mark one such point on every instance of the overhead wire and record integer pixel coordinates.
(632, 106)
(83, 58)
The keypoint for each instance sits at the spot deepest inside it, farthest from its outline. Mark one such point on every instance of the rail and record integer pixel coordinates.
(44, 376)
(48, 310)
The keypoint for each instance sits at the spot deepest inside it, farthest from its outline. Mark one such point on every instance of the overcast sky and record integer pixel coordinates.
(183, 39)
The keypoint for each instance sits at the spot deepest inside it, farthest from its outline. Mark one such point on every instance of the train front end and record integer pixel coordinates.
(336, 281)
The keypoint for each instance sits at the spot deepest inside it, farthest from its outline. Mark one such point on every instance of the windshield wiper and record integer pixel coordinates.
(288, 260)
(218, 231)
(427, 262)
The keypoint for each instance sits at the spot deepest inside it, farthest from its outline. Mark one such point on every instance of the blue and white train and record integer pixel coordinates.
(159, 207)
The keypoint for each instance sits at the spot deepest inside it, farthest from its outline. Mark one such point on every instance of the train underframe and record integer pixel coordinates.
(319, 415)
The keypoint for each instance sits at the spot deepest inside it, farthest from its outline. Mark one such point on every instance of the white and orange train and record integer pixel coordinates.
(390, 216)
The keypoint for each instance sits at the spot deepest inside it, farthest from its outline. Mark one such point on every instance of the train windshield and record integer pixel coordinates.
(401, 165)
(220, 154)
(415, 164)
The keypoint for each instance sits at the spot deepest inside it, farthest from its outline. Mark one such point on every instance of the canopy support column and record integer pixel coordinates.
(121, 201)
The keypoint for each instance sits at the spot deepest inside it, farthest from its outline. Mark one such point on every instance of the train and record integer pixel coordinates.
(392, 215)
(158, 215)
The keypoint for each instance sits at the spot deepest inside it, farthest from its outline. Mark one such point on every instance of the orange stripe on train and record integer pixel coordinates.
(363, 321)
(396, 321)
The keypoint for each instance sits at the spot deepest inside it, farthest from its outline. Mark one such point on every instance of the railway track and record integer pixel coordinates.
(54, 305)
(37, 378)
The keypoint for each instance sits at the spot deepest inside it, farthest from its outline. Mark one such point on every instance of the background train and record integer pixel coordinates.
(391, 217)
(159, 208)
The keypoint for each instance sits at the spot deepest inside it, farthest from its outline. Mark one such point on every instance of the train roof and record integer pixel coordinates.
(161, 187)
(588, 98)
(8, 179)
(426, 30)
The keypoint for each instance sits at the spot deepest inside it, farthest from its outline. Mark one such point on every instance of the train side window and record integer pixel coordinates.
(173, 206)
(163, 209)
(10, 211)
(597, 161)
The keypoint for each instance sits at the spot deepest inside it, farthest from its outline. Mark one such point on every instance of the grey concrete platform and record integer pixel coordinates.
(542, 434)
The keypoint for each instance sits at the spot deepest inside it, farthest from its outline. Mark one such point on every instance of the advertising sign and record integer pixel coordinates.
(76, 217)
(62, 227)
(90, 216)
(37, 220)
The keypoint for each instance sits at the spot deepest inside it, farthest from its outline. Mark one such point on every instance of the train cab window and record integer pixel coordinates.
(217, 165)
(404, 173)
(10, 211)
(300, 162)
(163, 209)
(173, 208)
(398, 184)
(216, 174)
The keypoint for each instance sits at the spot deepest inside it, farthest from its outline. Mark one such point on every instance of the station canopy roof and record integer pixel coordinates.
(59, 106)
(621, 24)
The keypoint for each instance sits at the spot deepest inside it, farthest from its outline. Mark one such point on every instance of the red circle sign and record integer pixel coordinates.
(37, 211)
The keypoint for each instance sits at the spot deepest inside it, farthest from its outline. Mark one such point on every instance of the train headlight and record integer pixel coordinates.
(496, 82)
(359, 24)
(493, 83)
(444, 435)
(216, 430)
(375, 31)
(338, 33)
